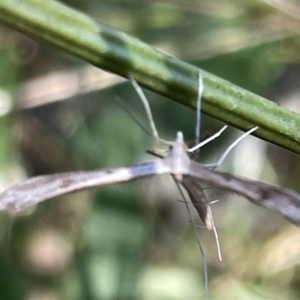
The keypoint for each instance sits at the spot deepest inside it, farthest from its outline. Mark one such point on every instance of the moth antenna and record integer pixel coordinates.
(145, 102)
(199, 145)
(198, 108)
(204, 260)
(224, 155)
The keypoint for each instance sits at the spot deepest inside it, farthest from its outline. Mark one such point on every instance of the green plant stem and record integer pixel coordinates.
(117, 52)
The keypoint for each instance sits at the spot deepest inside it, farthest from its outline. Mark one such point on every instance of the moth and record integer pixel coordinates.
(186, 172)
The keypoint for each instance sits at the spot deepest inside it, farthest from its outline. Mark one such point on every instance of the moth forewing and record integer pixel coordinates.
(284, 201)
(195, 191)
(40, 188)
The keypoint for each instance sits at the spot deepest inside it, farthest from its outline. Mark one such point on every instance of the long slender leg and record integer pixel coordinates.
(198, 146)
(198, 108)
(224, 155)
(145, 102)
(204, 260)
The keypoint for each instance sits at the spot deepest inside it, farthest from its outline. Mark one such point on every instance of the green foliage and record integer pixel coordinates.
(120, 53)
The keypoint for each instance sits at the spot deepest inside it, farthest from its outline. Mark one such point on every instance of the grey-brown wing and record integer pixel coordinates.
(40, 188)
(284, 201)
(199, 199)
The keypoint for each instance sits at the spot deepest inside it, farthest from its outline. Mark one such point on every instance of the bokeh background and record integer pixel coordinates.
(134, 240)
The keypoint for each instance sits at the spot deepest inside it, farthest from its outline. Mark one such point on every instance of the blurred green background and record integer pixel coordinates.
(134, 240)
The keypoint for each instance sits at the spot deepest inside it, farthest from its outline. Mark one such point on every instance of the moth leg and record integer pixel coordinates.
(224, 155)
(198, 108)
(193, 149)
(149, 115)
(204, 260)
